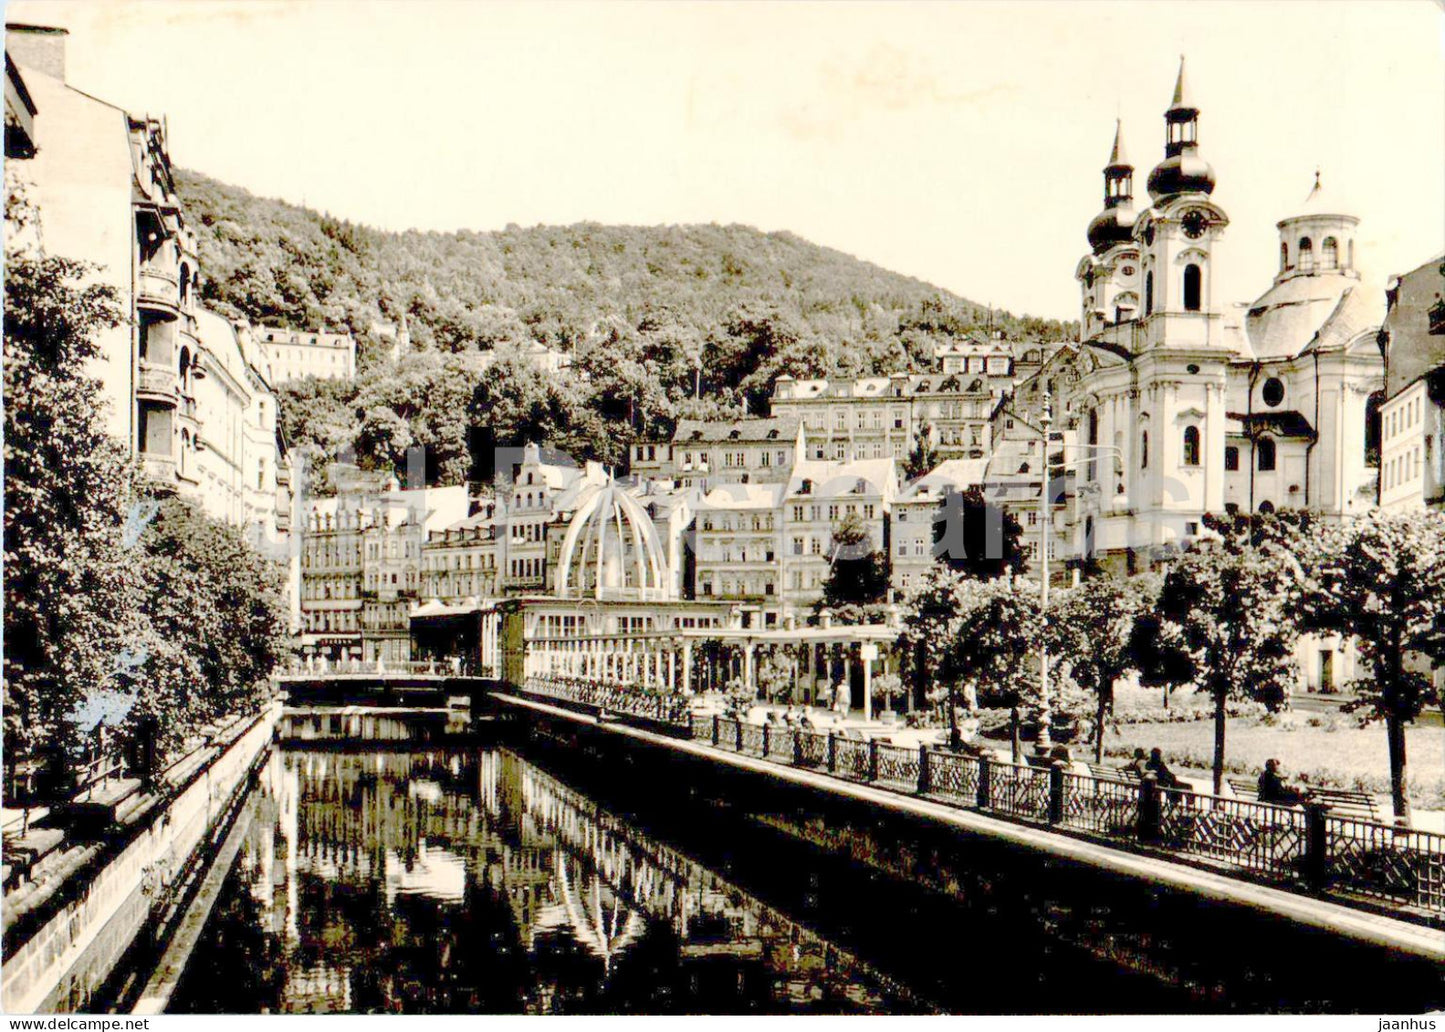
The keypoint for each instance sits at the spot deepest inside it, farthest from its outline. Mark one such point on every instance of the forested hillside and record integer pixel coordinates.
(661, 322)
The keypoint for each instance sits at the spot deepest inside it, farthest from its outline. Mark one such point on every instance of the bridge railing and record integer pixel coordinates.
(1304, 847)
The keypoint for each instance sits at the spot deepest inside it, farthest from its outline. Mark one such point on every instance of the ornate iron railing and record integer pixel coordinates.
(953, 777)
(851, 758)
(1307, 847)
(897, 766)
(612, 698)
(1100, 805)
(1253, 836)
(1018, 790)
(1398, 865)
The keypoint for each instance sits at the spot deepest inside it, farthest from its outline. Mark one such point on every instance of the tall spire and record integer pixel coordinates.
(1182, 170)
(1115, 223)
(1181, 100)
(1117, 157)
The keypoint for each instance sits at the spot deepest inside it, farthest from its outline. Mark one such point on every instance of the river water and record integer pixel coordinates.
(502, 879)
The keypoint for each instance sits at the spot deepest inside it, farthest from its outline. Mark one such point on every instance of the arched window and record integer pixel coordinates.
(1191, 446)
(1266, 507)
(1192, 287)
(185, 450)
(1283, 256)
(1306, 254)
(1093, 426)
(1144, 449)
(1330, 253)
(1149, 293)
(1372, 428)
(1264, 449)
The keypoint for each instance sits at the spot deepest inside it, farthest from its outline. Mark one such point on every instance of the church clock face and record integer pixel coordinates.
(1194, 223)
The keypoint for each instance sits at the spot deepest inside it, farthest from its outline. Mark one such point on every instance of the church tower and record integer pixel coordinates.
(1109, 275)
(1177, 234)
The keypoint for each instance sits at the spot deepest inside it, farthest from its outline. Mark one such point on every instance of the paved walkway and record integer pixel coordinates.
(912, 737)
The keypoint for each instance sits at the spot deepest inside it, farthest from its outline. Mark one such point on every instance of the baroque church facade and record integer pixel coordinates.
(1180, 403)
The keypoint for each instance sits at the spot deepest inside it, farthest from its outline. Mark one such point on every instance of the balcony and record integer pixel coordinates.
(158, 289)
(159, 467)
(156, 383)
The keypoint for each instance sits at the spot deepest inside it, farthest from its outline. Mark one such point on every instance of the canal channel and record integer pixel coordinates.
(548, 870)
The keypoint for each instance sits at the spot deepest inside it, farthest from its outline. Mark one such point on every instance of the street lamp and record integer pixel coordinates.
(1046, 709)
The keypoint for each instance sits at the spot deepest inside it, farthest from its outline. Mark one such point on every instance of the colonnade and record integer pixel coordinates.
(664, 664)
(688, 665)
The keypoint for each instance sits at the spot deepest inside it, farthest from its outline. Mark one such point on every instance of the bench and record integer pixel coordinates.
(1104, 772)
(1244, 788)
(1346, 802)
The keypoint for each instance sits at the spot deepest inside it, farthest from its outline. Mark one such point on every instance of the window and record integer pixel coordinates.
(1264, 449)
(1329, 253)
(1191, 446)
(1306, 254)
(1144, 449)
(1283, 256)
(1149, 293)
(1372, 428)
(1272, 392)
(1231, 458)
(1192, 287)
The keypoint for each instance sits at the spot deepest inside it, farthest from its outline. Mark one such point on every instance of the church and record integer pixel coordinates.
(1178, 403)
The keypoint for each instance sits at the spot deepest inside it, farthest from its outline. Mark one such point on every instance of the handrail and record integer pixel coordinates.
(1346, 857)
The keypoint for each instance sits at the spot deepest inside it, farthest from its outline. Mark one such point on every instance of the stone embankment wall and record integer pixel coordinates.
(66, 930)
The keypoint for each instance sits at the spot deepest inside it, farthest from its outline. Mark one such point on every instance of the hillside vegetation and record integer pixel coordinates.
(661, 322)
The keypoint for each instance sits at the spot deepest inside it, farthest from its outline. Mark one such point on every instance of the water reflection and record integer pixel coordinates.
(475, 881)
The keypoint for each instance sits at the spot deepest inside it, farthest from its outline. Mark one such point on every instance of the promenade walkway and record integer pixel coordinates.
(1309, 850)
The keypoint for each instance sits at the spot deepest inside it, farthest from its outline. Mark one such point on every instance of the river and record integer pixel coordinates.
(560, 877)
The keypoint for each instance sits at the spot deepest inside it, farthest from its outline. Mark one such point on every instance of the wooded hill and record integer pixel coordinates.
(661, 322)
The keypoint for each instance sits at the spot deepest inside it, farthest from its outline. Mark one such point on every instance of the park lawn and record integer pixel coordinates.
(1349, 757)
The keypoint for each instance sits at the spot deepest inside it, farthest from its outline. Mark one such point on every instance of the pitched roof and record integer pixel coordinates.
(711, 431)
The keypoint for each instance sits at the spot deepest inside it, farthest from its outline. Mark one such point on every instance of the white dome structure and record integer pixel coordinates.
(612, 551)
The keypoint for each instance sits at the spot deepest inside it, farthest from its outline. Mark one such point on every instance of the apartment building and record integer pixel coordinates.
(706, 453)
(361, 565)
(297, 354)
(178, 386)
(1411, 441)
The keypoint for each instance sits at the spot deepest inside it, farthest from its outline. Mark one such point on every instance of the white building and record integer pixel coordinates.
(1412, 419)
(297, 354)
(1209, 406)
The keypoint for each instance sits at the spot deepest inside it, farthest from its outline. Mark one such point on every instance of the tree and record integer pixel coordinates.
(930, 627)
(69, 591)
(858, 571)
(924, 454)
(1380, 579)
(216, 622)
(977, 538)
(1092, 632)
(1225, 622)
(997, 646)
(961, 630)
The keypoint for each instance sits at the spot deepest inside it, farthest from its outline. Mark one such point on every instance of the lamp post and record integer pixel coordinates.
(1046, 516)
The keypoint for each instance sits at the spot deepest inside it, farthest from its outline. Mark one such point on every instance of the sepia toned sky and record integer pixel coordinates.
(957, 142)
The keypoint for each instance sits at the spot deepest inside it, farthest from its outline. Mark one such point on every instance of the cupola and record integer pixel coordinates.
(1115, 224)
(1182, 170)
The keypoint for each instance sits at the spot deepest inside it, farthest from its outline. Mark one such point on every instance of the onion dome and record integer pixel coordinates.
(1115, 224)
(1182, 170)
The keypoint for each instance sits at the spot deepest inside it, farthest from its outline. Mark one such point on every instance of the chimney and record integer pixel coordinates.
(40, 47)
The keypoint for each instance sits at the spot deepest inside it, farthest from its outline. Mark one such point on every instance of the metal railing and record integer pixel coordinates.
(671, 709)
(1347, 858)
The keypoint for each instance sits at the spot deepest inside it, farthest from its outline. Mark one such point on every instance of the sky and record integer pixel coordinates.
(960, 142)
